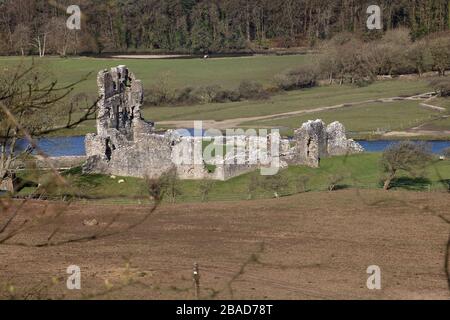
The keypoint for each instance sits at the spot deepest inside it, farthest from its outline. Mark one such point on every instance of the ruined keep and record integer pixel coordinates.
(127, 145)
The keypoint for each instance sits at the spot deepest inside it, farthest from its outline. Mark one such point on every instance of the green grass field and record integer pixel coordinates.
(227, 72)
(443, 123)
(358, 171)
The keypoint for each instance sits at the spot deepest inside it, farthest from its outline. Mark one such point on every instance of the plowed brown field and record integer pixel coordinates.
(309, 246)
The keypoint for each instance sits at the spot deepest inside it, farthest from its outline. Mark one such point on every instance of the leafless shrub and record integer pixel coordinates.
(162, 95)
(161, 92)
(301, 182)
(253, 185)
(349, 62)
(409, 157)
(252, 90)
(419, 54)
(171, 184)
(442, 86)
(156, 187)
(205, 188)
(440, 51)
(446, 153)
(276, 184)
(225, 95)
(334, 180)
(305, 76)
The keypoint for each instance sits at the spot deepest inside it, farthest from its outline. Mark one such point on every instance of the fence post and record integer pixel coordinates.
(196, 280)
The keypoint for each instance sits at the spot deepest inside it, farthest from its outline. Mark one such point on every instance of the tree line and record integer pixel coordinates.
(38, 26)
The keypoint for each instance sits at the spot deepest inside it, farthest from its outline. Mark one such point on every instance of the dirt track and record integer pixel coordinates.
(310, 246)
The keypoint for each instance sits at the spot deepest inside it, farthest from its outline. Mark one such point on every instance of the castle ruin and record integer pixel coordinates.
(127, 145)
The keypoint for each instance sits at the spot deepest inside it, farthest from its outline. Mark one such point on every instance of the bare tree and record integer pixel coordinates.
(420, 56)
(21, 39)
(440, 51)
(411, 158)
(171, 184)
(31, 106)
(60, 38)
(40, 43)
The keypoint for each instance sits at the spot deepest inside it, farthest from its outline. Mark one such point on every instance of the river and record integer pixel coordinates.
(74, 146)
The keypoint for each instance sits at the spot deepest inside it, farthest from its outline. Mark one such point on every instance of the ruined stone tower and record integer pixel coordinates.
(121, 97)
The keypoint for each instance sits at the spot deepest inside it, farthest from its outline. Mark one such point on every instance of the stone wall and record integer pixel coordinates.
(337, 142)
(315, 141)
(187, 156)
(126, 145)
(310, 144)
(149, 155)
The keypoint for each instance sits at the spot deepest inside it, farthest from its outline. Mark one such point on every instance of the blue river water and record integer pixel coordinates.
(74, 146)
(58, 146)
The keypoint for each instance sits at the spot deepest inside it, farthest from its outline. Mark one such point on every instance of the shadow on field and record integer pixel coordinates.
(341, 187)
(415, 184)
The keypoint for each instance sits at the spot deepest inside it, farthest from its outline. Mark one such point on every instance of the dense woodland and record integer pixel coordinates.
(38, 26)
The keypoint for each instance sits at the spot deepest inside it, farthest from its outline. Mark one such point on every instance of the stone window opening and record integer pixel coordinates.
(308, 146)
(108, 151)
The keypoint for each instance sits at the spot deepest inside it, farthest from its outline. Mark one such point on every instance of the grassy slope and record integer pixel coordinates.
(361, 171)
(444, 122)
(290, 101)
(362, 119)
